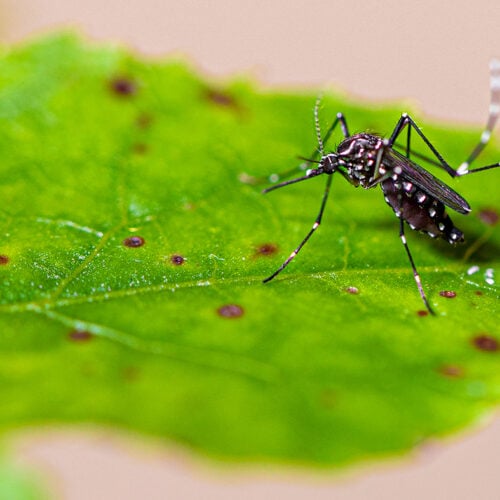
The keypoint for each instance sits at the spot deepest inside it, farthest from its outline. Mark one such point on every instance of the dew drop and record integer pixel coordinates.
(352, 290)
(449, 294)
(472, 270)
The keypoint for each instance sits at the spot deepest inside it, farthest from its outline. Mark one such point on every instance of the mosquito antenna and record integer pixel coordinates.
(317, 126)
(308, 160)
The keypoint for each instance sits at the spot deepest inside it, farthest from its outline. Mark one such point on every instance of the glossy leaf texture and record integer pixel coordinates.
(134, 243)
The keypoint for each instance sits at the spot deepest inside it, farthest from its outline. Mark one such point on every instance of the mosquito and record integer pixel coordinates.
(418, 198)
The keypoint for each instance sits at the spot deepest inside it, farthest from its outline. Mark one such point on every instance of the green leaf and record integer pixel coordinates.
(17, 485)
(133, 255)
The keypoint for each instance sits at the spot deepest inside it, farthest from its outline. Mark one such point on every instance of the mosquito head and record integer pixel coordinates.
(329, 163)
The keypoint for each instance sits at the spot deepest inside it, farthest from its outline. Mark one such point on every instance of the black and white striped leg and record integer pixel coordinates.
(493, 115)
(407, 121)
(340, 118)
(416, 275)
(315, 226)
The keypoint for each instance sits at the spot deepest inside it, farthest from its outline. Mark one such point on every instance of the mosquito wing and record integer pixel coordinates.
(431, 185)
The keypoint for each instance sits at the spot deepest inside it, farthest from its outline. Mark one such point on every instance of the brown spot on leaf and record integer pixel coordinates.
(123, 86)
(489, 216)
(134, 241)
(220, 98)
(266, 249)
(422, 313)
(88, 370)
(230, 311)
(131, 373)
(452, 371)
(4, 260)
(478, 292)
(80, 336)
(328, 398)
(485, 342)
(140, 148)
(352, 290)
(144, 120)
(449, 294)
(177, 260)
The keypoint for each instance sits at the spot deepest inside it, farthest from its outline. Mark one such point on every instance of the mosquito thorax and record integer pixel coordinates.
(358, 154)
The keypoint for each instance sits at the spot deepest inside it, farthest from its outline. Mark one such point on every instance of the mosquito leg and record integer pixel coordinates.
(418, 155)
(407, 121)
(416, 275)
(494, 112)
(340, 118)
(402, 236)
(408, 141)
(315, 226)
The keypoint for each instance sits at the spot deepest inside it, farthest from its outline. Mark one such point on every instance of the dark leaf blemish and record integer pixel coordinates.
(422, 313)
(122, 86)
(478, 292)
(266, 249)
(485, 342)
(230, 311)
(130, 373)
(144, 120)
(140, 148)
(489, 216)
(80, 336)
(220, 98)
(352, 290)
(452, 371)
(134, 241)
(4, 260)
(449, 294)
(328, 398)
(177, 260)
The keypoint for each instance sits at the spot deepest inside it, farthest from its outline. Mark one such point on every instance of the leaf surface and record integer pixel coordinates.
(133, 256)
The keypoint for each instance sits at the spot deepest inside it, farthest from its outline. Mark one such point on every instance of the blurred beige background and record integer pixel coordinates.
(434, 53)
